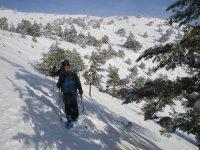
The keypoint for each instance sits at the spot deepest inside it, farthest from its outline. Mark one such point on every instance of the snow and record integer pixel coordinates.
(29, 109)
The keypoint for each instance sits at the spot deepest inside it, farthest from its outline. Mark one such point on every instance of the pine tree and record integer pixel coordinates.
(35, 30)
(128, 61)
(24, 27)
(92, 76)
(92, 41)
(120, 54)
(133, 73)
(132, 44)
(105, 39)
(160, 93)
(48, 30)
(4, 23)
(142, 66)
(54, 57)
(34, 39)
(114, 81)
(76, 60)
(12, 27)
(121, 32)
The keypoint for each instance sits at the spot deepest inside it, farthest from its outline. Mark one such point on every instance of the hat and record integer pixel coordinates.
(74, 70)
(65, 63)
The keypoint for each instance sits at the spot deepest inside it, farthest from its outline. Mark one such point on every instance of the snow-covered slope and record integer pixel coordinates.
(29, 109)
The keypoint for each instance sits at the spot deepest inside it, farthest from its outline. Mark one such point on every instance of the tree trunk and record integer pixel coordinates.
(114, 86)
(90, 90)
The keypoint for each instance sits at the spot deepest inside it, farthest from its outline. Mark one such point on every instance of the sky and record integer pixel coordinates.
(151, 8)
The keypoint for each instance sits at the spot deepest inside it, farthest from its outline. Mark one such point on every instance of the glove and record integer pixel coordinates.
(58, 85)
(81, 92)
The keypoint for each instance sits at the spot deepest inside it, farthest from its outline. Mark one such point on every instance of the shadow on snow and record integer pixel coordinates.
(41, 112)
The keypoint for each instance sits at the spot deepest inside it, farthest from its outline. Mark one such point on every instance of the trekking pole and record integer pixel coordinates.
(82, 104)
(83, 111)
(59, 103)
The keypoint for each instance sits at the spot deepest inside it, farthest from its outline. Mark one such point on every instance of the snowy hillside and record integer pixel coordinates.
(29, 109)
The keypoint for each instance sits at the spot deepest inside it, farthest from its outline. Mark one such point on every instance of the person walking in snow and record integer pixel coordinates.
(69, 83)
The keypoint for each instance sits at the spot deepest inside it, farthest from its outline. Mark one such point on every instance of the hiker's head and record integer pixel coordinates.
(67, 67)
(65, 62)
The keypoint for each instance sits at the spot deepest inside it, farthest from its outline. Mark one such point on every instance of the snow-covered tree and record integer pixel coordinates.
(132, 44)
(98, 57)
(12, 27)
(81, 40)
(145, 35)
(128, 61)
(105, 39)
(160, 93)
(110, 22)
(92, 41)
(142, 65)
(35, 30)
(92, 76)
(114, 81)
(70, 35)
(165, 37)
(121, 32)
(54, 57)
(76, 60)
(34, 39)
(24, 27)
(80, 22)
(150, 23)
(4, 23)
(133, 73)
(48, 30)
(120, 54)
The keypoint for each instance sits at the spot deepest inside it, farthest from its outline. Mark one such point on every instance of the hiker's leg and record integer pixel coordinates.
(68, 107)
(75, 109)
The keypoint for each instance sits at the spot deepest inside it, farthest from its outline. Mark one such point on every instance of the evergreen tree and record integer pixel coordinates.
(24, 27)
(92, 41)
(121, 32)
(81, 40)
(114, 81)
(160, 93)
(4, 23)
(105, 39)
(48, 30)
(34, 39)
(133, 73)
(54, 57)
(145, 35)
(92, 76)
(12, 27)
(35, 30)
(76, 60)
(142, 66)
(132, 44)
(128, 61)
(70, 35)
(120, 54)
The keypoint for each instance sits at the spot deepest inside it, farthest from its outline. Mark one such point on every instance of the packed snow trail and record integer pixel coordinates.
(30, 114)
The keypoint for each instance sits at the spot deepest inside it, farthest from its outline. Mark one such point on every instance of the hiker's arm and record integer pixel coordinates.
(55, 72)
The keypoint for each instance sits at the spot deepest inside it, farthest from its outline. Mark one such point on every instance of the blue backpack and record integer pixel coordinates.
(69, 85)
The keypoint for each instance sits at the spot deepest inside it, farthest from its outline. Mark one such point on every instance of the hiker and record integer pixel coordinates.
(69, 83)
(59, 73)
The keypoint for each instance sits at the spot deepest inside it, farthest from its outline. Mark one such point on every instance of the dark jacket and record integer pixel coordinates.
(76, 79)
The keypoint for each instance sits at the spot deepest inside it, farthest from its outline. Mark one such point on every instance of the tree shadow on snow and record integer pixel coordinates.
(105, 128)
